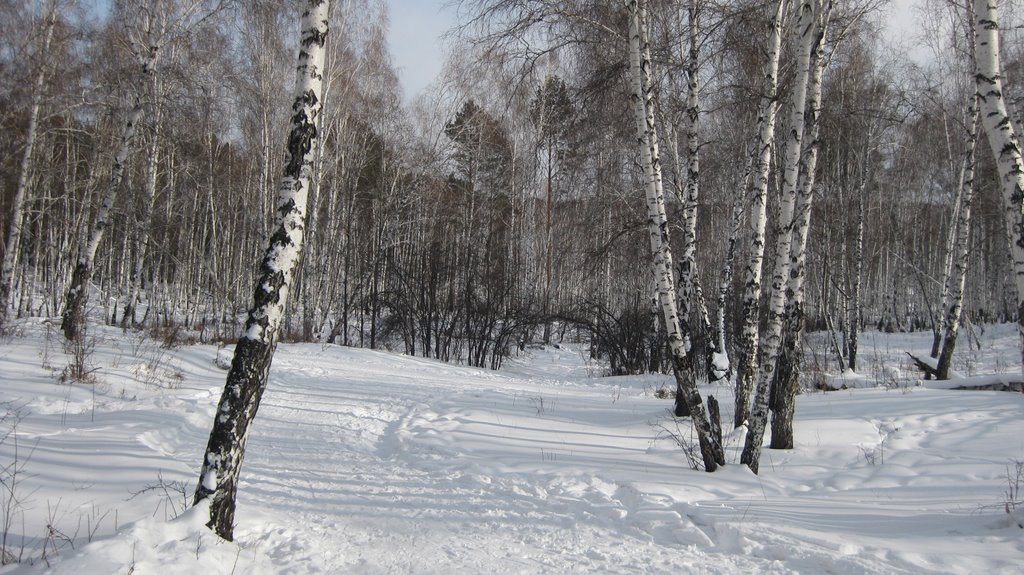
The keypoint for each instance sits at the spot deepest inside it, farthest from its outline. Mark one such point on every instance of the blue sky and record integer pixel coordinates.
(415, 44)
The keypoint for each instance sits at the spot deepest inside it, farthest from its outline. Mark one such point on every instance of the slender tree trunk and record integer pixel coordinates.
(247, 379)
(78, 290)
(939, 324)
(787, 384)
(145, 222)
(647, 139)
(767, 111)
(1003, 141)
(17, 210)
(725, 283)
(691, 298)
(958, 277)
(806, 39)
(688, 195)
(854, 307)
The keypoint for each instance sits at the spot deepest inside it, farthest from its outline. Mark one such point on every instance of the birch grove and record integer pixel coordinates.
(497, 211)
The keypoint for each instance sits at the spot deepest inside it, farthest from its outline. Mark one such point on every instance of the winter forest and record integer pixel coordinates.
(717, 202)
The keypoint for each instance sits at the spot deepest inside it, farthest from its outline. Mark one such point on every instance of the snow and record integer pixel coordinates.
(369, 462)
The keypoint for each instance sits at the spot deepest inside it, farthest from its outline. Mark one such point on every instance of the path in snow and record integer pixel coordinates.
(366, 462)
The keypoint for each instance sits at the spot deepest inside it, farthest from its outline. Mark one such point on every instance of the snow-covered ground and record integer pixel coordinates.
(369, 462)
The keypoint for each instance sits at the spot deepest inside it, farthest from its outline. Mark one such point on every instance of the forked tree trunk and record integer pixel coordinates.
(250, 367)
(767, 111)
(78, 290)
(1003, 141)
(647, 140)
(16, 215)
(787, 383)
(806, 39)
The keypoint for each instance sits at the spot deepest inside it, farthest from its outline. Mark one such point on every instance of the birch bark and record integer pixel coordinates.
(250, 367)
(690, 293)
(959, 249)
(806, 38)
(146, 220)
(78, 291)
(767, 111)
(786, 385)
(1003, 141)
(657, 222)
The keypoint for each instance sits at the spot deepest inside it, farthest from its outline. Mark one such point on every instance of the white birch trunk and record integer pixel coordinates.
(16, 216)
(1003, 141)
(146, 221)
(78, 290)
(787, 384)
(690, 292)
(772, 343)
(767, 111)
(250, 367)
(647, 140)
(959, 249)
(958, 277)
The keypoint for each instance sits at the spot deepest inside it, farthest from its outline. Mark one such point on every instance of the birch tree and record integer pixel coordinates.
(806, 38)
(657, 223)
(145, 228)
(758, 195)
(1002, 140)
(691, 298)
(250, 367)
(786, 386)
(154, 27)
(960, 248)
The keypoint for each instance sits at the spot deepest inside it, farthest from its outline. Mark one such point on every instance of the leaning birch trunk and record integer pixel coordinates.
(247, 378)
(647, 140)
(772, 344)
(767, 110)
(78, 290)
(958, 277)
(16, 216)
(1003, 141)
(787, 384)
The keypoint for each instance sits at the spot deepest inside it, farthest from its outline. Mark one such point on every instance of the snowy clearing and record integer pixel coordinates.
(370, 462)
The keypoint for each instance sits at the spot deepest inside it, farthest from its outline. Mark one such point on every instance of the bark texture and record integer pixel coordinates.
(960, 248)
(647, 140)
(1002, 139)
(78, 291)
(787, 382)
(805, 39)
(250, 367)
(767, 112)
